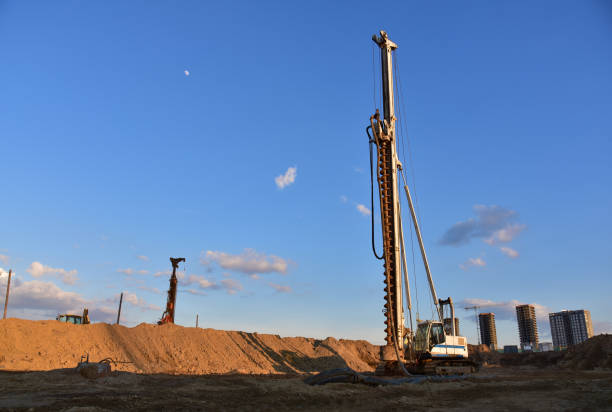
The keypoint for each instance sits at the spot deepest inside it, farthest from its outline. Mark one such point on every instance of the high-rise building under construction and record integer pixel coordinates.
(528, 328)
(488, 334)
(570, 327)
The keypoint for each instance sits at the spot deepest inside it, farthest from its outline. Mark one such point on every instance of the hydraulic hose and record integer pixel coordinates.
(371, 140)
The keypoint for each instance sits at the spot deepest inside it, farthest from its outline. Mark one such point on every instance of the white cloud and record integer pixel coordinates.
(248, 262)
(343, 199)
(363, 210)
(149, 289)
(200, 281)
(286, 179)
(102, 314)
(130, 271)
(162, 273)
(38, 270)
(493, 224)
(133, 299)
(186, 72)
(505, 235)
(4, 259)
(193, 292)
(37, 299)
(280, 288)
(509, 252)
(4, 279)
(471, 262)
(143, 258)
(231, 286)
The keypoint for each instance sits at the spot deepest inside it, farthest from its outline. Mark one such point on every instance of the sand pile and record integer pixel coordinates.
(44, 345)
(483, 355)
(594, 353)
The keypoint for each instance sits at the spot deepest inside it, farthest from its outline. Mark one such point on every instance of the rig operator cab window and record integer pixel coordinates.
(437, 334)
(428, 335)
(75, 319)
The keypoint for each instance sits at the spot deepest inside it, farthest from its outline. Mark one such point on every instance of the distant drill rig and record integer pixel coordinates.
(168, 315)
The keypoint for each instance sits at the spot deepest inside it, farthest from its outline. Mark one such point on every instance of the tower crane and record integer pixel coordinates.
(430, 348)
(475, 307)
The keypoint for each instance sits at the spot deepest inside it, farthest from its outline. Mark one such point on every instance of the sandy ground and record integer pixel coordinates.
(490, 389)
(176, 368)
(44, 345)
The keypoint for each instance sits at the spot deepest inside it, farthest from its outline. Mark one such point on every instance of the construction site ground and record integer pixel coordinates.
(515, 388)
(176, 368)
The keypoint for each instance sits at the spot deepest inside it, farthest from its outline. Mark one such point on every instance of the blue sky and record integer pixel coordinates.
(135, 131)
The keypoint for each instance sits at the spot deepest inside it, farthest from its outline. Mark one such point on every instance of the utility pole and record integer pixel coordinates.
(8, 287)
(119, 312)
(197, 320)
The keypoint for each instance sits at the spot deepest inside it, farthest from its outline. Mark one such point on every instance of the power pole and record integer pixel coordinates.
(8, 287)
(119, 312)
(197, 320)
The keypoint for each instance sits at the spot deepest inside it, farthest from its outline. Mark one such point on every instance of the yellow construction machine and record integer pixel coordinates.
(75, 319)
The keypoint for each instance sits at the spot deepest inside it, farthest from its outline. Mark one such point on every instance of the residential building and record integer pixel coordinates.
(570, 327)
(488, 334)
(527, 326)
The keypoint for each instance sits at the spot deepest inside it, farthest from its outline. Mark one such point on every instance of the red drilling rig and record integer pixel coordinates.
(168, 315)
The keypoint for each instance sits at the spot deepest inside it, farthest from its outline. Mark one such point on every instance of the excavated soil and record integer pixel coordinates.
(595, 353)
(45, 345)
(498, 389)
(176, 368)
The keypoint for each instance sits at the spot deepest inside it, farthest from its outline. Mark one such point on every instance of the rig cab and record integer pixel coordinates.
(432, 342)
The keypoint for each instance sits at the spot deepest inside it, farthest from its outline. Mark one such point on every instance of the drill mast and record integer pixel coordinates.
(401, 341)
(168, 315)
(387, 163)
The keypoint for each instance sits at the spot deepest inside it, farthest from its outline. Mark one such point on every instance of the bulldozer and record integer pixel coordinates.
(74, 319)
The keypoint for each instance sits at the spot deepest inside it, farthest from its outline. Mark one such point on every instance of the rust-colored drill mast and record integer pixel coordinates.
(387, 164)
(168, 316)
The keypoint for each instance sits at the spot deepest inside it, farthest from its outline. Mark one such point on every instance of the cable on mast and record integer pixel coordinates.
(372, 141)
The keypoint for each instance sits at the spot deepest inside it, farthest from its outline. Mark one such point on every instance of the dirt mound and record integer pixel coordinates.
(482, 348)
(483, 355)
(537, 359)
(596, 352)
(44, 345)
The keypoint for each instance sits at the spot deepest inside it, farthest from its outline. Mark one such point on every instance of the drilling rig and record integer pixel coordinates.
(168, 315)
(430, 349)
